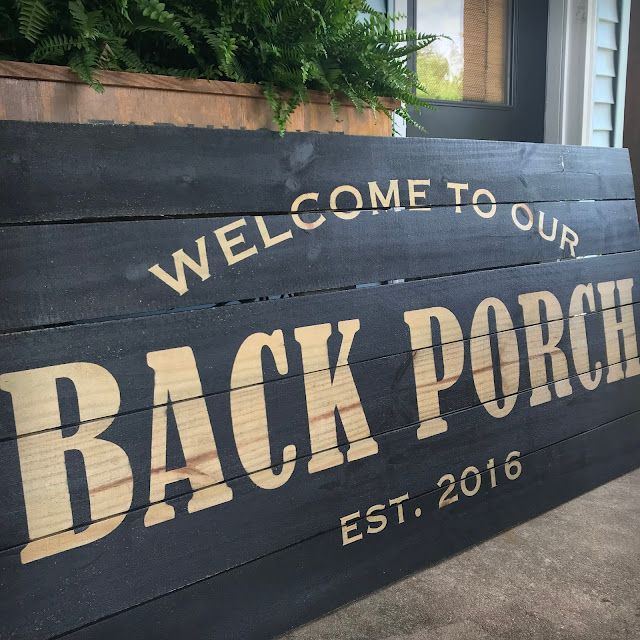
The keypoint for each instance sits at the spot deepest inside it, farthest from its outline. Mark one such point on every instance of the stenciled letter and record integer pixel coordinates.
(249, 410)
(613, 327)
(298, 221)
(428, 385)
(180, 261)
(177, 383)
(392, 193)
(538, 349)
(326, 393)
(578, 333)
(482, 364)
(42, 456)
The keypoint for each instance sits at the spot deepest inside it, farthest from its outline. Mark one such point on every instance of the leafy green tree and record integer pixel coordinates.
(436, 78)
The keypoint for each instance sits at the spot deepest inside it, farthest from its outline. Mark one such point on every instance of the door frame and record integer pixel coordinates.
(571, 37)
(521, 116)
(510, 87)
(571, 44)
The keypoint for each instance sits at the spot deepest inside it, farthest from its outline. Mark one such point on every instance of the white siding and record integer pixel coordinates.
(610, 70)
(587, 53)
(604, 83)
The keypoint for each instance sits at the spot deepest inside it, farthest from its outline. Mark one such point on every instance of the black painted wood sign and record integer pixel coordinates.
(245, 380)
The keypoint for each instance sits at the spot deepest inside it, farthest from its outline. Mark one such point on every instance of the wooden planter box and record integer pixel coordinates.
(48, 93)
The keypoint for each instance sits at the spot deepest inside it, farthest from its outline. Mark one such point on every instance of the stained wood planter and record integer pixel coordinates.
(48, 93)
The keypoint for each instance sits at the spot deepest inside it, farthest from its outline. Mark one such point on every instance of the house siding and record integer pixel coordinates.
(609, 66)
(605, 74)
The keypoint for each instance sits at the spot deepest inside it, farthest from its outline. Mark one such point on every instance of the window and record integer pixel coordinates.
(471, 64)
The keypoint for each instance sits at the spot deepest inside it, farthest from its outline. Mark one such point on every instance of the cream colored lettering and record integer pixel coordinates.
(180, 261)
(377, 198)
(333, 201)
(482, 365)
(177, 386)
(327, 393)
(380, 519)
(516, 220)
(398, 501)
(578, 334)
(554, 228)
(428, 385)
(347, 525)
(492, 201)
(42, 456)
(570, 237)
(227, 244)
(267, 238)
(619, 321)
(298, 221)
(414, 193)
(458, 187)
(249, 410)
(538, 348)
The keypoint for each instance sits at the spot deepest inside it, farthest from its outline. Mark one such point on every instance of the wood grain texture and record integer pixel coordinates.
(386, 387)
(48, 93)
(31, 71)
(132, 171)
(44, 269)
(89, 583)
(248, 602)
(229, 453)
(215, 335)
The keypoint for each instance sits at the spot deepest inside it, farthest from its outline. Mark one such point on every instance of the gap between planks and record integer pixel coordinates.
(222, 214)
(299, 376)
(341, 443)
(278, 297)
(327, 531)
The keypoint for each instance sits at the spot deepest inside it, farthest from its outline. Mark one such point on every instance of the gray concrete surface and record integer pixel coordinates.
(570, 574)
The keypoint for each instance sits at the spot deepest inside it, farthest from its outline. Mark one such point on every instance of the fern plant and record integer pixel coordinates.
(289, 47)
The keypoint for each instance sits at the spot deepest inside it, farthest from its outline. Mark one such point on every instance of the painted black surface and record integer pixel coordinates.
(387, 390)
(268, 560)
(216, 334)
(61, 273)
(267, 597)
(89, 580)
(53, 172)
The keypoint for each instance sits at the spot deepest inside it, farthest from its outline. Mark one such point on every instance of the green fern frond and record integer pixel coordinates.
(32, 18)
(172, 71)
(86, 23)
(83, 64)
(289, 47)
(125, 59)
(54, 46)
(163, 21)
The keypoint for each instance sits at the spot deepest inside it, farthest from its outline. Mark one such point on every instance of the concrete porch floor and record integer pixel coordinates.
(570, 574)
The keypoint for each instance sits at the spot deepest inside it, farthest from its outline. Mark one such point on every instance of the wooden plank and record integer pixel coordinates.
(264, 598)
(135, 564)
(60, 273)
(386, 389)
(178, 451)
(215, 335)
(56, 73)
(53, 172)
(55, 94)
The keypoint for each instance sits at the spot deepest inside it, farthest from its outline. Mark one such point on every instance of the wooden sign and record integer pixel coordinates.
(245, 380)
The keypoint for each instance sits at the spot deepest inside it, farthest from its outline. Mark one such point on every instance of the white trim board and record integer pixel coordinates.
(571, 71)
(570, 58)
